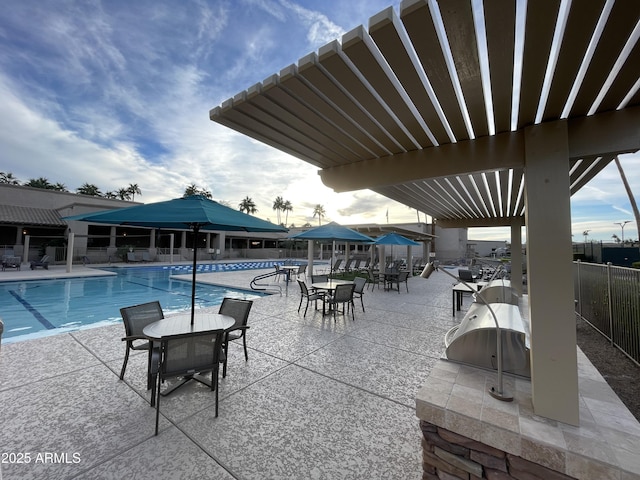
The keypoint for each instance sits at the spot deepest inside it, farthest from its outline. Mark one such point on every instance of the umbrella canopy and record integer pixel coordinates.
(395, 239)
(194, 213)
(180, 214)
(333, 232)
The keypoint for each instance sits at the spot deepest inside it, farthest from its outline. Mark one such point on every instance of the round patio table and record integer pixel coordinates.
(330, 286)
(178, 324)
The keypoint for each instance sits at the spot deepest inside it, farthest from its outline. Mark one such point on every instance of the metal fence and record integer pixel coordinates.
(608, 298)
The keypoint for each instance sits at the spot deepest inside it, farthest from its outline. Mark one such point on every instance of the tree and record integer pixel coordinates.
(89, 189)
(59, 187)
(247, 205)
(133, 189)
(8, 179)
(287, 207)
(110, 194)
(632, 200)
(319, 211)
(123, 194)
(193, 189)
(586, 234)
(278, 205)
(39, 183)
(615, 238)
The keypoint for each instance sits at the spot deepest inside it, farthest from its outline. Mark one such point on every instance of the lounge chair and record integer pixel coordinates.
(10, 261)
(43, 262)
(131, 257)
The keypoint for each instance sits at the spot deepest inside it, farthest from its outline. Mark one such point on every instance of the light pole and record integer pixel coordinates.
(622, 224)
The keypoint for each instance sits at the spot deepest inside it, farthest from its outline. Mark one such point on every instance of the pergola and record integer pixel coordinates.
(478, 114)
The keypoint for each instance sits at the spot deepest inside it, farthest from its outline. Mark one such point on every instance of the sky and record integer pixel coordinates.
(118, 92)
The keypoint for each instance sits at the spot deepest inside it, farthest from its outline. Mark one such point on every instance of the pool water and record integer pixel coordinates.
(36, 308)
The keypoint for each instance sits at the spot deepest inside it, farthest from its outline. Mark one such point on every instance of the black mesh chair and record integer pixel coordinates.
(358, 289)
(309, 295)
(187, 355)
(343, 294)
(135, 318)
(239, 310)
(401, 277)
(319, 278)
(466, 275)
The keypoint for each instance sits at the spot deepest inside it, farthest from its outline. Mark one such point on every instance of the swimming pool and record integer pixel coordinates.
(37, 308)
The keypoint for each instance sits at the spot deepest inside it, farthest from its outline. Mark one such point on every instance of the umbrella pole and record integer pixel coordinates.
(196, 229)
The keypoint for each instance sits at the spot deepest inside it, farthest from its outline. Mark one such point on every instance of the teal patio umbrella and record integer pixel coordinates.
(333, 232)
(395, 239)
(195, 213)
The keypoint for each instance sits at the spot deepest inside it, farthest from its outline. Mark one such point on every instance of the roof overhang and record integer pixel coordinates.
(430, 107)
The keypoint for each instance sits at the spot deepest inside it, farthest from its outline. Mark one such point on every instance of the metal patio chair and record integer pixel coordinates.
(135, 318)
(358, 289)
(343, 294)
(187, 355)
(238, 309)
(310, 295)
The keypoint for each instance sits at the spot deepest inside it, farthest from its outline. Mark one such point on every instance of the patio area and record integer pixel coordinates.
(316, 399)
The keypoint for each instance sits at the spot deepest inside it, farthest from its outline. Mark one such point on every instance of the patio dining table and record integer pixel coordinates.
(180, 324)
(329, 286)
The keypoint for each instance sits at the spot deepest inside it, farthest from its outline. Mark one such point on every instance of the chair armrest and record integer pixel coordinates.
(134, 337)
(233, 329)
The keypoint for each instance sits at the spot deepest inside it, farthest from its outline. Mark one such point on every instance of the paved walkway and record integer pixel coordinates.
(317, 398)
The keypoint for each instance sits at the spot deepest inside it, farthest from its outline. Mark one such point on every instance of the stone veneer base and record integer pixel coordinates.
(468, 434)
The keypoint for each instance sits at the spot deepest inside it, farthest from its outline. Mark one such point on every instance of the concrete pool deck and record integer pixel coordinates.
(317, 398)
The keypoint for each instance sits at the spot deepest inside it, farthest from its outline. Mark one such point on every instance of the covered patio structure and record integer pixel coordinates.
(477, 114)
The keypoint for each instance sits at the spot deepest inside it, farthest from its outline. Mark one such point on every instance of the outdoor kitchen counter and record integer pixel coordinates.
(467, 432)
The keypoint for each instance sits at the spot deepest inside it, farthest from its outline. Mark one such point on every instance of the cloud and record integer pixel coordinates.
(320, 29)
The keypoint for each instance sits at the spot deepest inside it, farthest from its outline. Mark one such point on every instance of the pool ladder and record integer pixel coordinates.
(266, 287)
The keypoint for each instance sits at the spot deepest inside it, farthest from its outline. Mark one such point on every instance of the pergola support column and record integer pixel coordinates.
(516, 255)
(554, 369)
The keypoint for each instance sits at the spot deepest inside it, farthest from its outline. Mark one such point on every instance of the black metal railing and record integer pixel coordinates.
(608, 298)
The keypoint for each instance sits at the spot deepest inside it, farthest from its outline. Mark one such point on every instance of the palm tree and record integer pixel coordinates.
(110, 194)
(586, 234)
(319, 210)
(287, 207)
(123, 194)
(59, 187)
(632, 200)
(8, 179)
(89, 189)
(615, 238)
(39, 183)
(247, 205)
(278, 205)
(193, 189)
(133, 189)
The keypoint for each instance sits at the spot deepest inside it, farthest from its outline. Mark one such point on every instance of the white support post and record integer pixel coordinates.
(554, 368)
(70, 241)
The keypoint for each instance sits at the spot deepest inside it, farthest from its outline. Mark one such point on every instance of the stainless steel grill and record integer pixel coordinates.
(473, 342)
